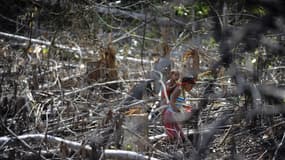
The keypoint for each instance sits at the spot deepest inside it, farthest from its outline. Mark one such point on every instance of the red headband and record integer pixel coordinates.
(185, 83)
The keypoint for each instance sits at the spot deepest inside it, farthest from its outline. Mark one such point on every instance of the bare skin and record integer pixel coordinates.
(174, 77)
(176, 93)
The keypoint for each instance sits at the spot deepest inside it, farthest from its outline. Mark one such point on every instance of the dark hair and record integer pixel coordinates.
(189, 79)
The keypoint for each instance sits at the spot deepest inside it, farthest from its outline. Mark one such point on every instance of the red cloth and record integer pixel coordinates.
(169, 90)
(172, 128)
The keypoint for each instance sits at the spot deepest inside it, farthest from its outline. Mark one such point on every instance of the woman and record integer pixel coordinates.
(170, 117)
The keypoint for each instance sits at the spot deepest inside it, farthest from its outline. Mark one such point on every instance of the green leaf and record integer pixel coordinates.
(258, 10)
(181, 10)
(201, 9)
(45, 50)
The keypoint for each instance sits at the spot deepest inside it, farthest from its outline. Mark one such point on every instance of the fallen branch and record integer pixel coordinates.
(102, 84)
(48, 43)
(186, 132)
(135, 104)
(67, 48)
(120, 154)
(138, 16)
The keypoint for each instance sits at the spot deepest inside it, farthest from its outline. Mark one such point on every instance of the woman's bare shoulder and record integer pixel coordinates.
(177, 90)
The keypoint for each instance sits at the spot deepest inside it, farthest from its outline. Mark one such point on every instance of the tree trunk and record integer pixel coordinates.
(135, 132)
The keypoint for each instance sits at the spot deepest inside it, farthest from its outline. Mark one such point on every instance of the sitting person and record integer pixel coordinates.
(171, 120)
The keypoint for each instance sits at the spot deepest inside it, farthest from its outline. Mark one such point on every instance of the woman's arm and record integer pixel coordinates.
(175, 94)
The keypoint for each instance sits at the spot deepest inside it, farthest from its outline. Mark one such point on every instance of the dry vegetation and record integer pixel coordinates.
(68, 91)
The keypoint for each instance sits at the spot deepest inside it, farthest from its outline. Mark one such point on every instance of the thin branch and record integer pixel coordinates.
(278, 147)
(186, 132)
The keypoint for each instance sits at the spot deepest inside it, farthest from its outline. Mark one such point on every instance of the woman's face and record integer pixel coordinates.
(175, 76)
(188, 87)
